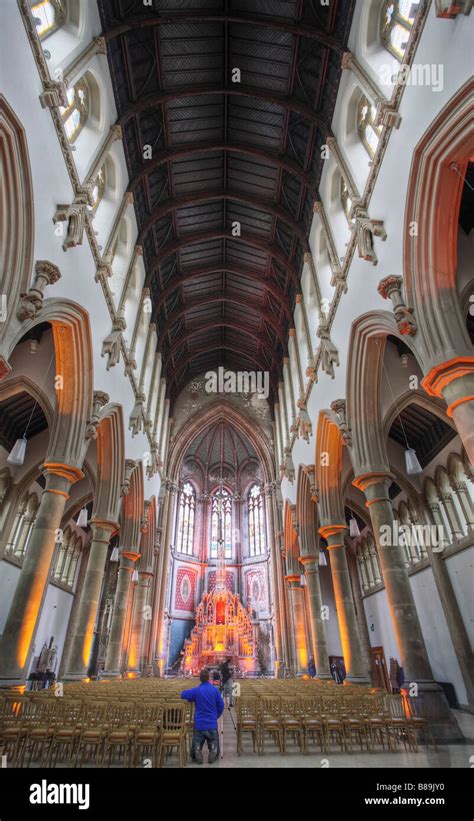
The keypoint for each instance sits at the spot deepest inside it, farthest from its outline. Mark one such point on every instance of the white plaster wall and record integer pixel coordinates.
(53, 621)
(9, 575)
(461, 572)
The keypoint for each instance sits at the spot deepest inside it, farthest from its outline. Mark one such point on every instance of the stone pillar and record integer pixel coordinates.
(410, 641)
(22, 619)
(318, 632)
(79, 654)
(296, 602)
(346, 615)
(275, 565)
(135, 654)
(454, 382)
(122, 593)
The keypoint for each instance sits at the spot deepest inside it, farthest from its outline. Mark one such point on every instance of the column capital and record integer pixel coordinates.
(67, 472)
(331, 531)
(310, 563)
(372, 479)
(440, 376)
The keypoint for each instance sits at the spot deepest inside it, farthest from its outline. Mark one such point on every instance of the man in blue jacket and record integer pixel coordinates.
(208, 709)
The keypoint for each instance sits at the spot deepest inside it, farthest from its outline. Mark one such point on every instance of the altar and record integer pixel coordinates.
(224, 629)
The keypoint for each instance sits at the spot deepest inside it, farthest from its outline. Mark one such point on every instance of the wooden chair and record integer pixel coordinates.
(247, 721)
(269, 722)
(311, 723)
(333, 722)
(398, 723)
(290, 722)
(172, 734)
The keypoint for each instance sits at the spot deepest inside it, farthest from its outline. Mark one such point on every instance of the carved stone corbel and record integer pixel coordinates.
(310, 471)
(305, 427)
(54, 94)
(386, 114)
(104, 272)
(129, 467)
(391, 288)
(99, 401)
(366, 229)
(287, 468)
(136, 416)
(339, 408)
(154, 465)
(31, 303)
(329, 352)
(75, 217)
(112, 344)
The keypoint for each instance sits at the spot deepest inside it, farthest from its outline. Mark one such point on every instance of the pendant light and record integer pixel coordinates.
(114, 556)
(322, 561)
(18, 451)
(83, 518)
(353, 527)
(135, 576)
(412, 464)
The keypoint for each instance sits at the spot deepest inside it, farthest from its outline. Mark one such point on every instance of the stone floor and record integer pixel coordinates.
(452, 755)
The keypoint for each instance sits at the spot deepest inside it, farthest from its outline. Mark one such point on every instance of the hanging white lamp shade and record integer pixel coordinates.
(353, 527)
(114, 556)
(322, 559)
(17, 453)
(83, 518)
(412, 464)
(135, 576)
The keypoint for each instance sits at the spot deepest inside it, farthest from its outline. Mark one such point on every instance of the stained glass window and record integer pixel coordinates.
(187, 507)
(396, 22)
(257, 541)
(221, 506)
(48, 16)
(75, 113)
(368, 131)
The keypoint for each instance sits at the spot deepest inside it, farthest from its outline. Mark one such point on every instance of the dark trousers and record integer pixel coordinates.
(200, 737)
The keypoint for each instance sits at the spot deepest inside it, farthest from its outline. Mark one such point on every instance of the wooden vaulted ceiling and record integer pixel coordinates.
(223, 153)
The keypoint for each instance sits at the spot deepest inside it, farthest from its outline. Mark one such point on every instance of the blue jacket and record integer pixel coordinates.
(208, 705)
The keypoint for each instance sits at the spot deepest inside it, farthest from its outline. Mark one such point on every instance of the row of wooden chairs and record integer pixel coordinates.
(367, 720)
(102, 733)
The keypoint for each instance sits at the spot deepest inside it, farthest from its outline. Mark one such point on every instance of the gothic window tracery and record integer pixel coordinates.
(257, 541)
(75, 114)
(187, 508)
(369, 132)
(221, 507)
(396, 23)
(48, 15)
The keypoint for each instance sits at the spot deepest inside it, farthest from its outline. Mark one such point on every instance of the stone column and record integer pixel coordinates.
(411, 645)
(138, 622)
(296, 602)
(454, 382)
(79, 654)
(122, 593)
(22, 619)
(318, 632)
(346, 615)
(274, 551)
